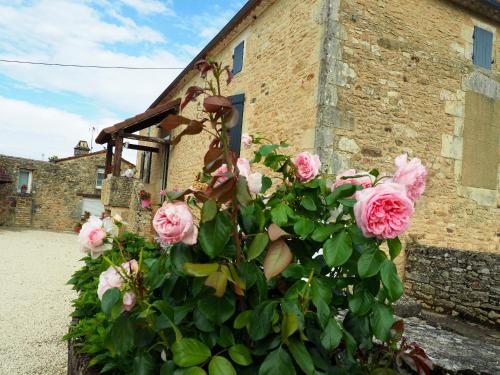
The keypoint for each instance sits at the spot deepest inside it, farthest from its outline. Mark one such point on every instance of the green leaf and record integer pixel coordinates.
(168, 368)
(200, 269)
(369, 263)
(280, 213)
(391, 281)
(208, 211)
(308, 203)
(267, 149)
(217, 310)
(332, 334)
(321, 233)
(112, 302)
(303, 227)
(143, 364)
(337, 250)
(360, 302)
(189, 352)
(226, 337)
(394, 245)
(241, 355)
(301, 356)
(180, 254)
(342, 191)
(322, 311)
(194, 371)
(321, 290)
(277, 362)
(215, 234)
(261, 319)
(121, 337)
(381, 321)
(242, 192)
(266, 184)
(289, 324)
(220, 366)
(383, 371)
(257, 246)
(242, 320)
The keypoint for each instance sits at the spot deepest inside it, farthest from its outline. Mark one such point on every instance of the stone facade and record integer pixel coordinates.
(56, 193)
(459, 283)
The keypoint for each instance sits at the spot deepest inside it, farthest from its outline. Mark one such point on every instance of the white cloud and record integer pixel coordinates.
(70, 32)
(150, 6)
(29, 130)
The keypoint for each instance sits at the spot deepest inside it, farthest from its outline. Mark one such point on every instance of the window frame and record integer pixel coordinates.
(30, 181)
(103, 169)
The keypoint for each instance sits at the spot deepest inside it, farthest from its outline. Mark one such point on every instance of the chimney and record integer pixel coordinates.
(82, 148)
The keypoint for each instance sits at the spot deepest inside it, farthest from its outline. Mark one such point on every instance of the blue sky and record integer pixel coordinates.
(46, 110)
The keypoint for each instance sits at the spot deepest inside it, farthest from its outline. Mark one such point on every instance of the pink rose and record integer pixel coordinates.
(365, 181)
(383, 211)
(174, 223)
(410, 174)
(113, 277)
(307, 166)
(129, 299)
(255, 182)
(92, 236)
(246, 140)
(243, 167)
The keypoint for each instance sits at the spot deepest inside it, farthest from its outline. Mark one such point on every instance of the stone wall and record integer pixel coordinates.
(393, 79)
(279, 81)
(139, 219)
(455, 282)
(57, 191)
(117, 191)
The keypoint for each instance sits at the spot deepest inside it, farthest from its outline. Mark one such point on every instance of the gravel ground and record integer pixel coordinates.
(35, 300)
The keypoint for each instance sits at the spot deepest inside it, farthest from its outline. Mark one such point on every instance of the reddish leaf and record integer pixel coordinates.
(229, 74)
(214, 104)
(173, 121)
(275, 232)
(194, 127)
(191, 94)
(224, 192)
(213, 159)
(278, 257)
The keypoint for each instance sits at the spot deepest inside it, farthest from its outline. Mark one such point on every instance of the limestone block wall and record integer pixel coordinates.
(139, 219)
(460, 283)
(279, 80)
(116, 191)
(393, 79)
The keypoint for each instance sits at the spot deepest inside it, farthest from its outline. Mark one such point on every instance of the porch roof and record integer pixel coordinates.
(141, 121)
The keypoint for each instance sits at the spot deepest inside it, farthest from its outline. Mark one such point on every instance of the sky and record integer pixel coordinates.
(45, 111)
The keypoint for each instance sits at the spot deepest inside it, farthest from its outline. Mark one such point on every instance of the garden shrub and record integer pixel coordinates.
(280, 273)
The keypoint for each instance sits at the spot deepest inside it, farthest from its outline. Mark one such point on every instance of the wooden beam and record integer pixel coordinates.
(118, 155)
(142, 148)
(109, 159)
(146, 139)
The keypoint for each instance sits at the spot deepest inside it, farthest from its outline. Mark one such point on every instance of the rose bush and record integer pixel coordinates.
(283, 273)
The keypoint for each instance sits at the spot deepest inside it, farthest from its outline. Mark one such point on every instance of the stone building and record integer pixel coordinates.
(360, 82)
(52, 195)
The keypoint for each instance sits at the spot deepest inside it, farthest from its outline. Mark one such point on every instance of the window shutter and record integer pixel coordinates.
(235, 132)
(238, 58)
(482, 50)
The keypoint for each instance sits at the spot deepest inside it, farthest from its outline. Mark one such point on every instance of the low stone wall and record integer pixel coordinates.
(116, 191)
(455, 282)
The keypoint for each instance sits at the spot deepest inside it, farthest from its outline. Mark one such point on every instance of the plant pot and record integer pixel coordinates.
(145, 203)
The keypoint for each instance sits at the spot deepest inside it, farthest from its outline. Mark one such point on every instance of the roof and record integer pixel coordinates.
(4, 177)
(141, 121)
(238, 17)
(89, 154)
(487, 8)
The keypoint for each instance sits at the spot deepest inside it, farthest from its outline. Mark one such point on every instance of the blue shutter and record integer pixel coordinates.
(235, 132)
(482, 50)
(238, 58)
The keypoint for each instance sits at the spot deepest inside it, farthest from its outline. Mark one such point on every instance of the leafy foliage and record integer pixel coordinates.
(283, 283)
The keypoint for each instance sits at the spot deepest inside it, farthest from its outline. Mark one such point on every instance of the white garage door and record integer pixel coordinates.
(92, 205)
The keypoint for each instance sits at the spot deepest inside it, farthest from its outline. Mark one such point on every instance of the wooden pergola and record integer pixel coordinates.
(115, 135)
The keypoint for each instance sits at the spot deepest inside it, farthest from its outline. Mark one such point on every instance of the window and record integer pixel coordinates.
(482, 48)
(238, 57)
(145, 166)
(480, 141)
(101, 175)
(166, 157)
(235, 132)
(24, 181)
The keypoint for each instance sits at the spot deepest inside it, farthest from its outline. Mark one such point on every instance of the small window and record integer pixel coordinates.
(101, 175)
(145, 166)
(483, 47)
(24, 181)
(238, 102)
(238, 57)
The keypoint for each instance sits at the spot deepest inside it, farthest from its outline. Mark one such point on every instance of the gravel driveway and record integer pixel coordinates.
(34, 300)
